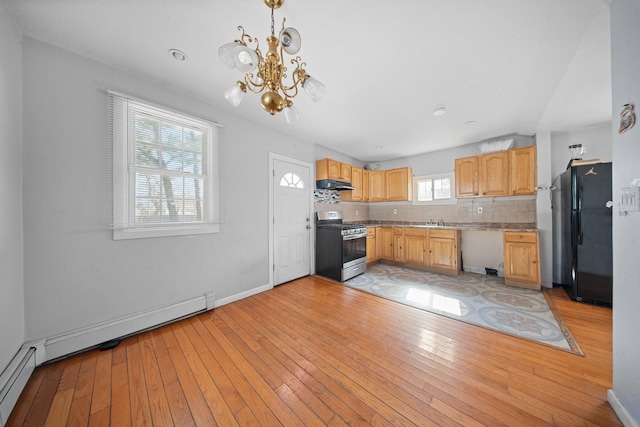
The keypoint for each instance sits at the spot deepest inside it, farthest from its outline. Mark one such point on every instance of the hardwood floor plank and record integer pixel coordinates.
(295, 394)
(138, 397)
(315, 352)
(27, 398)
(198, 406)
(101, 397)
(176, 399)
(204, 344)
(80, 411)
(217, 405)
(262, 391)
(44, 396)
(158, 403)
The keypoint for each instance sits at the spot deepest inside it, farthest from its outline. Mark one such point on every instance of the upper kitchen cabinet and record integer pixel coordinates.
(523, 171)
(503, 173)
(494, 174)
(345, 172)
(377, 186)
(357, 181)
(399, 185)
(466, 174)
(333, 169)
(394, 185)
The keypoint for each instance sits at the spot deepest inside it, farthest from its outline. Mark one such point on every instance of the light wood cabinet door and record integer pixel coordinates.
(415, 247)
(521, 259)
(442, 253)
(494, 174)
(384, 237)
(523, 168)
(365, 185)
(356, 181)
(377, 185)
(371, 245)
(345, 172)
(466, 172)
(398, 244)
(327, 169)
(399, 184)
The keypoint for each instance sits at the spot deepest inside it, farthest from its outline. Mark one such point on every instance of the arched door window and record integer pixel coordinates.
(291, 180)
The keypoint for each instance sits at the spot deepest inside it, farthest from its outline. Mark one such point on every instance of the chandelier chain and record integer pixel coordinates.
(272, 21)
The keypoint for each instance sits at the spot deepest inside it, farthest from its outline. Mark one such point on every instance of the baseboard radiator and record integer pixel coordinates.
(13, 379)
(91, 336)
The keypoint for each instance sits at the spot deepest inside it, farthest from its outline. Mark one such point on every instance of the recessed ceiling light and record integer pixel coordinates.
(178, 55)
(378, 147)
(470, 123)
(439, 111)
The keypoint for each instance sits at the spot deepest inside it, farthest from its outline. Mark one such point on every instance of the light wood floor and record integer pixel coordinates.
(314, 352)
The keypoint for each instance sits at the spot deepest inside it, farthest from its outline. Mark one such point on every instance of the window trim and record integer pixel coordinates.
(123, 187)
(451, 201)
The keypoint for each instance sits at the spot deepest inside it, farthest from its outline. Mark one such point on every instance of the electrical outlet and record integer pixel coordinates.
(395, 211)
(479, 209)
(356, 212)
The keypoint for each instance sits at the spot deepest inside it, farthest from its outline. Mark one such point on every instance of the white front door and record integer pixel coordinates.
(291, 220)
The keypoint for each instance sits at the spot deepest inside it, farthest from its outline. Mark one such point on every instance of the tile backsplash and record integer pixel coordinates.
(507, 210)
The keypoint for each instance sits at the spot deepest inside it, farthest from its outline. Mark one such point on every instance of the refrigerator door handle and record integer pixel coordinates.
(579, 228)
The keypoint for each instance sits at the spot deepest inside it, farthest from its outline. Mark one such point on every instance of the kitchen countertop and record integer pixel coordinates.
(463, 226)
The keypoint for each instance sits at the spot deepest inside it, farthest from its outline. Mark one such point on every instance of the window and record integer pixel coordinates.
(292, 180)
(165, 171)
(433, 189)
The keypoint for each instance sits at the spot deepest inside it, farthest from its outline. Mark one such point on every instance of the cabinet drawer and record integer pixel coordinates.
(514, 236)
(398, 231)
(415, 232)
(443, 234)
(371, 232)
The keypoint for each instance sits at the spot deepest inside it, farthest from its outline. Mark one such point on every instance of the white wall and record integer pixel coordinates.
(11, 258)
(75, 274)
(625, 61)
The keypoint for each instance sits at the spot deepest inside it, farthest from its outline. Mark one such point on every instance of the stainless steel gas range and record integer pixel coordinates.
(341, 249)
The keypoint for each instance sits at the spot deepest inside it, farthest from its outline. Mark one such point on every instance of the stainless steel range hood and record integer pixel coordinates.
(330, 184)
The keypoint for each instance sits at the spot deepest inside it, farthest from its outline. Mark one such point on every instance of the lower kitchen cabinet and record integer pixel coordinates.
(415, 243)
(521, 259)
(371, 245)
(398, 244)
(384, 243)
(444, 254)
(426, 249)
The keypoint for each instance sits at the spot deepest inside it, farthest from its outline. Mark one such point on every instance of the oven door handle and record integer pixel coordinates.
(354, 236)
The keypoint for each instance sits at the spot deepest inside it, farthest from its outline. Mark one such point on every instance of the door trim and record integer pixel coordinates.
(312, 235)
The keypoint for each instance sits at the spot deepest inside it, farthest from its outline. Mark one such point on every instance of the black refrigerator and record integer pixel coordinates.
(586, 246)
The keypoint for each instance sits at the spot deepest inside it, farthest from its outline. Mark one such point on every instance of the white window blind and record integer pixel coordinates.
(165, 171)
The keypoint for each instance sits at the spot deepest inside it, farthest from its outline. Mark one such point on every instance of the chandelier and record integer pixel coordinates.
(268, 73)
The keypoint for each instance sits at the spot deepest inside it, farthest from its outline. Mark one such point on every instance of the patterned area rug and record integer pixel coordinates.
(472, 298)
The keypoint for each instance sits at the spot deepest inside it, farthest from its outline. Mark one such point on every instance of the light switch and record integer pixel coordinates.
(630, 199)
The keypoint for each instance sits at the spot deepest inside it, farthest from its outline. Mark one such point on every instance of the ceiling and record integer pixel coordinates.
(508, 66)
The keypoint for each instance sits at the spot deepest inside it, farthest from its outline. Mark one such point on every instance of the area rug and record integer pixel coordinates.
(481, 300)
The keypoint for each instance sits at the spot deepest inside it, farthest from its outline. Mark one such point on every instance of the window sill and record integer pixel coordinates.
(149, 232)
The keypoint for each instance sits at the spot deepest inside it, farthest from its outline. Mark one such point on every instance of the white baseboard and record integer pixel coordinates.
(90, 336)
(241, 295)
(13, 380)
(621, 411)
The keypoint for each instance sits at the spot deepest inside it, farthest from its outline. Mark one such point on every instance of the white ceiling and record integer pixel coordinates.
(511, 66)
